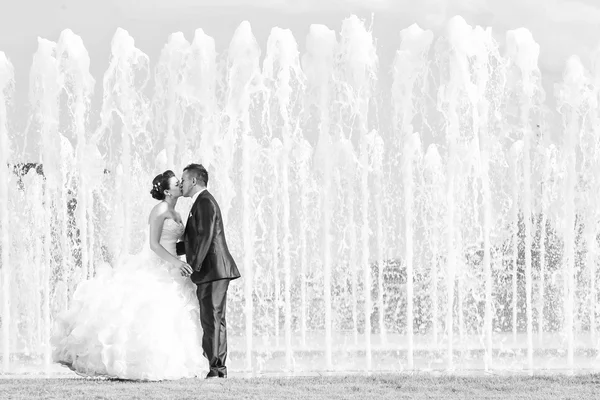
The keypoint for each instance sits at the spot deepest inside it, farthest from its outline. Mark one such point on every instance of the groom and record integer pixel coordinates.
(206, 252)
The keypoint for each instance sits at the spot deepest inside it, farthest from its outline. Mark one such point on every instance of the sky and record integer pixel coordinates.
(561, 27)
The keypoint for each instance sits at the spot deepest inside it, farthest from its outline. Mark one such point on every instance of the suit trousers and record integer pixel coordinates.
(213, 304)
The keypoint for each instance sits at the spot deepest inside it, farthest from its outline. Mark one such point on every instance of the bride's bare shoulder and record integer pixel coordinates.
(158, 212)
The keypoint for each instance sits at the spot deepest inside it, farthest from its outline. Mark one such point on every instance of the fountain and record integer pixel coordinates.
(6, 81)
(410, 68)
(431, 218)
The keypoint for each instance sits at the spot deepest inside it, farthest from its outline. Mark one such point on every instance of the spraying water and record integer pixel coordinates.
(410, 67)
(6, 81)
(415, 220)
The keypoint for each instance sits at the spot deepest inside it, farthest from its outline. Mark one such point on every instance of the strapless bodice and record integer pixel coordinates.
(171, 233)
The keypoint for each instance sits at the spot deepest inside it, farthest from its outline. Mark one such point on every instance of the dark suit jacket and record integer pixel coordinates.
(204, 243)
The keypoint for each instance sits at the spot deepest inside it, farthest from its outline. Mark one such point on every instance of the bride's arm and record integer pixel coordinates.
(156, 220)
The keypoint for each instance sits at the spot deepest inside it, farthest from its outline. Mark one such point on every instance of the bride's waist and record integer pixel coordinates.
(152, 256)
(171, 249)
(160, 259)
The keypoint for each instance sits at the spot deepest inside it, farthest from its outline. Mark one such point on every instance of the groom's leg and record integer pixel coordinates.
(222, 350)
(212, 297)
(204, 292)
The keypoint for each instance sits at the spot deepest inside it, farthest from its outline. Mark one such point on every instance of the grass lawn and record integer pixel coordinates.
(359, 387)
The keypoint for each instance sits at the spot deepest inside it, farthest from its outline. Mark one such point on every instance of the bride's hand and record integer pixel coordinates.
(185, 268)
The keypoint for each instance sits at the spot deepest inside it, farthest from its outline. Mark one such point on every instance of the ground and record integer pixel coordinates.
(362, 387)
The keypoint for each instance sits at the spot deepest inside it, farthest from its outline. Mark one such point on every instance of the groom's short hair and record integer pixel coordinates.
(198, 171)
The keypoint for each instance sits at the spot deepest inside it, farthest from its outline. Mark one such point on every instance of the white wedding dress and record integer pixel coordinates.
(138, 321)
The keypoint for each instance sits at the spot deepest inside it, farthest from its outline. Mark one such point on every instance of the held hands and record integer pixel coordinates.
(184, 268)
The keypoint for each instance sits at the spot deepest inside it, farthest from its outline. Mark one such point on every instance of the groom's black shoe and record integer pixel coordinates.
(222, 375)
(212, 374)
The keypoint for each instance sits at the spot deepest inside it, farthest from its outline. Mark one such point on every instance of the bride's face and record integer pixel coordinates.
(174, 187)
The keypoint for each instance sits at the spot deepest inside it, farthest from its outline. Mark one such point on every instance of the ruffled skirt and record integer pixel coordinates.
(138, 321)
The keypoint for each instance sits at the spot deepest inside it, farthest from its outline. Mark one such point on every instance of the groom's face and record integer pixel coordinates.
(187, 184)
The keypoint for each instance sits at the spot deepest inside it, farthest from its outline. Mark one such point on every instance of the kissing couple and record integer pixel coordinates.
(153, 316)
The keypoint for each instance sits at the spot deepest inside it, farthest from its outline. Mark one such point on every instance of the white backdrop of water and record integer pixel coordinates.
(431, 224)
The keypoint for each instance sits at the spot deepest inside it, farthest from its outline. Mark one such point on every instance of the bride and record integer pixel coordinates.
(140, 320)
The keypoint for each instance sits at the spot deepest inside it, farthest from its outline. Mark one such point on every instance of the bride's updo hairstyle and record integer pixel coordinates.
(161, 183)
